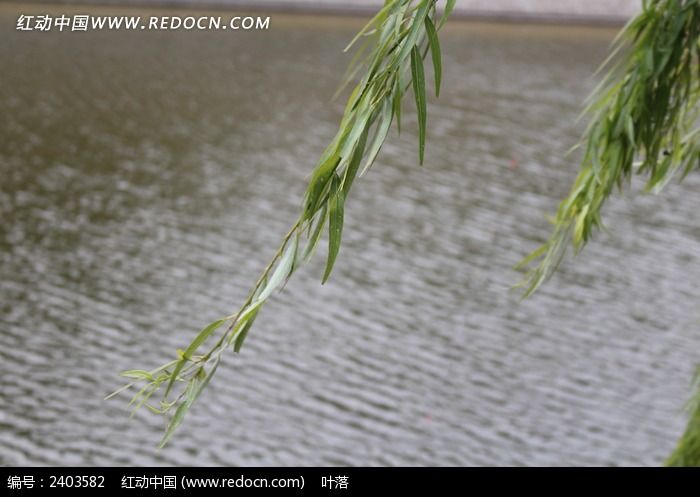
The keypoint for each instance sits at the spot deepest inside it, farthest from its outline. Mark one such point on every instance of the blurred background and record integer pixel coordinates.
(147, 177)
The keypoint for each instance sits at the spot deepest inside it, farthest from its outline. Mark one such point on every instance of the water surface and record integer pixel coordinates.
(146, 179)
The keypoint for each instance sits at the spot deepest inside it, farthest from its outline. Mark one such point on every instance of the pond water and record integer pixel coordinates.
(146, 178)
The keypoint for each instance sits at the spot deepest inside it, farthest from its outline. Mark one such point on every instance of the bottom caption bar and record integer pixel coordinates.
(335, 481)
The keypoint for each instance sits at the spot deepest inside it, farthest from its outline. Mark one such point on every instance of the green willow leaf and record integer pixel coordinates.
(353, 138)
(396, 101)
(153, 372)
(435, 54)
(145, 394)
(241, 336)
(247, 313)
(282, 271)
(202, 336)
(206, 380)
(180, 412)
(354, 164)
(317, 232)
(414, 32)
(376, 19)
(319, 181)
(138, 374)
(449, 7)
(245, 319)
(419, 92)
(191, 349)
(380, 136)
(335, 226)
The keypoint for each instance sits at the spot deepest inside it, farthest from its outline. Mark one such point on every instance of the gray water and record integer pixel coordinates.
(146, 179)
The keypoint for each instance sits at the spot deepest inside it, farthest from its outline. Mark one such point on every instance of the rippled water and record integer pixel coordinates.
(145, 179)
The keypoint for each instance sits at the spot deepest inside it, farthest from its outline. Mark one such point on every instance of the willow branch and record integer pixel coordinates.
(643, 118)
(397, 41)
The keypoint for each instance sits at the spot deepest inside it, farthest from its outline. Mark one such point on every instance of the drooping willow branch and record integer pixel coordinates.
(398, 38)
(644, 118)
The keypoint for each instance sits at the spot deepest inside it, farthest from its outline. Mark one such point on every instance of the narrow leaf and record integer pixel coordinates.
(449, 6)
(419, 92)
(410, 40)
(335, 228)
(353, 138)
(284, 266)
(179, 413)
(316, 234)
(398, 93)
(375, 20)
(434, 53)
(131, 384)
(354, 164)
(191, 349)
(240, 337)
(318, 183)
(137, 374)
(380, 136)
(206, 380)
(202, 336)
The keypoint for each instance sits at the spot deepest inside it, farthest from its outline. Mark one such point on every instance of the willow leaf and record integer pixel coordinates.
(180, 412)
(380, 136)
(396, 101)
(282, 271)
(435, 54)
(317, 232)
(419, 92)
(414, 32)
(319, 181)
(202, 336)
(191, 349)
(241, 336)
(449, 7)
(335, 226)
(354, 164)
(206, 380)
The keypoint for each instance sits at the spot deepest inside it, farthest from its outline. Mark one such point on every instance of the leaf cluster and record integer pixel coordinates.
(644, 118)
